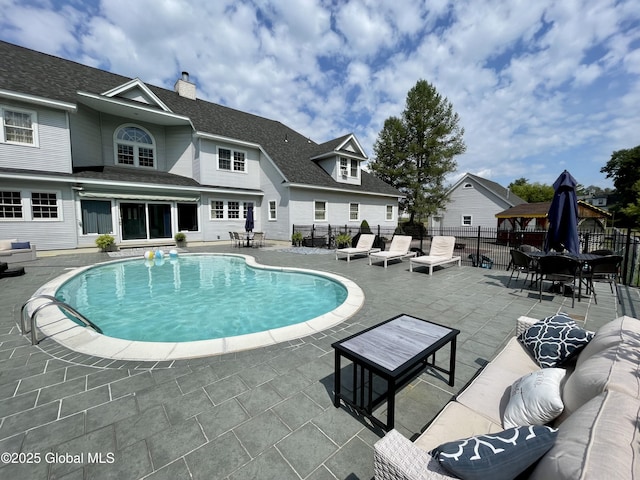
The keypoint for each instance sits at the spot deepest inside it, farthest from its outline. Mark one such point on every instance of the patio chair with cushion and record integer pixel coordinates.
(560, 270)
(399, 248)
(363, 247)
(440, 253)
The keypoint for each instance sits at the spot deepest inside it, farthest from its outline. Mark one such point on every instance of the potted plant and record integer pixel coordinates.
(343, 240)
(106, 242)
(181, 239)
(296, 239)
(364, 227)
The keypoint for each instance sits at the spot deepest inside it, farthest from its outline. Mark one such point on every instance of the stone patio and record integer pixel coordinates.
(260, 414)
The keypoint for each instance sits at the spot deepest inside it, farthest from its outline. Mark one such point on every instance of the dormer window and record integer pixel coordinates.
(348, 167)
(135, 147)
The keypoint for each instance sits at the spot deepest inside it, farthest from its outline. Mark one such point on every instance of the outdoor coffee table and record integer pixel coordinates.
(395, 350)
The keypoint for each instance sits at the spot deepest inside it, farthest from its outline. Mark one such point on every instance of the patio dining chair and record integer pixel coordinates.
(523, 263)
(559, 270)
(603, 269)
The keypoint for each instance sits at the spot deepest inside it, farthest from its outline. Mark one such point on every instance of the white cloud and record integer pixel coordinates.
(535, 83)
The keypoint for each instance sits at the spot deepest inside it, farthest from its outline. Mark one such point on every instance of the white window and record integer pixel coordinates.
(245, 207)
(389, 213)
(44, 206)
(217, 209)
(273, 210)
(134, 147)
(354, 211)
(320, 211)
(354, 168)
(233, 210)
(348, 167)
(231, 160)
(467, 185)
(467, 221)
(19, 127)
(10, 205)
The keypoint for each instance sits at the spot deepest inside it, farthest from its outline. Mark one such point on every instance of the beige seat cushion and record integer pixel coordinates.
(600, 440)
(6, 244)
(455, 422)
(489, 393)
(611, 361)
(622, 329)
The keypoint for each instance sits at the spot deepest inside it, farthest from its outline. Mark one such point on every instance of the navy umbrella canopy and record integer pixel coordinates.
(248, 224)
(563, 216)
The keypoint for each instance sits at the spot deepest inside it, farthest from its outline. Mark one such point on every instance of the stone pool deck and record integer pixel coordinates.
(259, 414)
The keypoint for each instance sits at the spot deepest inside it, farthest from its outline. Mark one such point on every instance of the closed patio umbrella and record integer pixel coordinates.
(248, 224)
(563, 217)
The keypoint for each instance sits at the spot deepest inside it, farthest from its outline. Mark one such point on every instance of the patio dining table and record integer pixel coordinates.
(582, 258)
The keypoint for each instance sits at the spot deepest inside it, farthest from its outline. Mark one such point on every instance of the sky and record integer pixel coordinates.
(539, 86)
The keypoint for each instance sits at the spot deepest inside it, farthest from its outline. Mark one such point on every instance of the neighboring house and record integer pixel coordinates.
(85, 152)
(474, 202)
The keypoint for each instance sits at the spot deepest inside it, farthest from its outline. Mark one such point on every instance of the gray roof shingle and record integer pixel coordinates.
(29, 72)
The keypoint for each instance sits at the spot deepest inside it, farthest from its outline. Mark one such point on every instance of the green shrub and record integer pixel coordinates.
(364, 227)
(180, 237)
(105, 242)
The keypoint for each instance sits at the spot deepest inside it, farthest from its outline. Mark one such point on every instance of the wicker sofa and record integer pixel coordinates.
(10, 254)
(598, 431)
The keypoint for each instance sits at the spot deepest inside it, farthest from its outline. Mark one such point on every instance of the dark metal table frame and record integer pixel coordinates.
(418, 355)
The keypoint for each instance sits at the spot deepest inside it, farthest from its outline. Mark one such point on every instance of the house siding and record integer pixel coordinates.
(45, 234)
(110, 123)
(180, 151)
(477, 202)
(210, 175)
(86, 139)
(53, 153)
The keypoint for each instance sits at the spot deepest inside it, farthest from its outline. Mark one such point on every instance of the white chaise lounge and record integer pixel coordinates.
(440, 253)
(363, 247)
(399, 249)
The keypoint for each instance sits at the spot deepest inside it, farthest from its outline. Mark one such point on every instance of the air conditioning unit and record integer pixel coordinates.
(343, 171)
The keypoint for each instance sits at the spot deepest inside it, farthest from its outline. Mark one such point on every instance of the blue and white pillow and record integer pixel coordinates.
(499, 456)
(554, 340)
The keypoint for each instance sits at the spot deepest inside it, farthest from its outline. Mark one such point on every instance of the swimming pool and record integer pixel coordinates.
(229, 279)
(196, 298)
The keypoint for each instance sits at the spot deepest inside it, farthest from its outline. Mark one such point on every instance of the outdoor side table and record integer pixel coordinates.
(394, 350)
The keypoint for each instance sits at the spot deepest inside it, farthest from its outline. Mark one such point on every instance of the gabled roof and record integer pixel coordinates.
(44, 76)
(493, 187)
(541, 209)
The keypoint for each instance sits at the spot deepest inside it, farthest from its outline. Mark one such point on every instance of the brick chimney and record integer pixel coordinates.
(184, 87)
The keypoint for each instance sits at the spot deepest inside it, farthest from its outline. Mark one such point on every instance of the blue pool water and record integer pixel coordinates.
(196, 298)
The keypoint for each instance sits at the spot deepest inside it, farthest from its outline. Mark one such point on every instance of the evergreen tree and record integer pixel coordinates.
(414, 153)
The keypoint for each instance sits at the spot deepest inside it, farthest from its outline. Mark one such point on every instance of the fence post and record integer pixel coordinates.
(625, 268)
(479, 263)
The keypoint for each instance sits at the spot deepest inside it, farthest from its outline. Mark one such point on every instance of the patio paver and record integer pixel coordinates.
(252, 414)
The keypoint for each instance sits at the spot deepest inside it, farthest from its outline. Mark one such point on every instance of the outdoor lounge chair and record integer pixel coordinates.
(440, 253)
(363, 247)
(399, 248)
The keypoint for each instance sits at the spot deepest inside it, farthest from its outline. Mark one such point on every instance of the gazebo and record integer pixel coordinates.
(527, 223)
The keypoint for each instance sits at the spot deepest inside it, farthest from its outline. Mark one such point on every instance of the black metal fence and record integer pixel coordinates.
(486, 247)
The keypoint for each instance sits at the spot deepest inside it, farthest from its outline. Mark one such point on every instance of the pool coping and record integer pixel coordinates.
(52, 323)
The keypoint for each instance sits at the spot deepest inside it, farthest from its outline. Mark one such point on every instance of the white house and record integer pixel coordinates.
(474, 201)
(85, 152)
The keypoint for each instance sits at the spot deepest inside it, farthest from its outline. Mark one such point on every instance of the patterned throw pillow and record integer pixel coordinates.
(499, 456)
(554, 340)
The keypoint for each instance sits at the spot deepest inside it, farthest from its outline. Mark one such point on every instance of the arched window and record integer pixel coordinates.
(134, 146)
